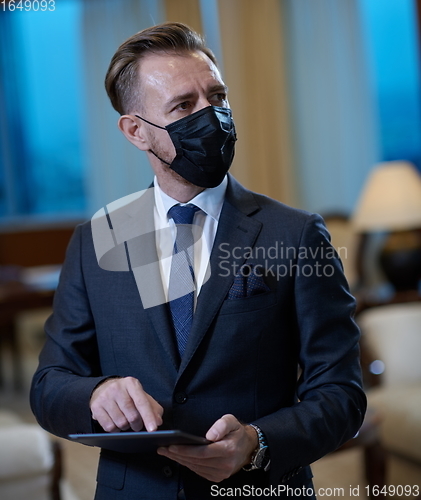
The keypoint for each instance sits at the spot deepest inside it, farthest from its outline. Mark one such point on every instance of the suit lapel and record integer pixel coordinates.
(136, 227)
(235, 229)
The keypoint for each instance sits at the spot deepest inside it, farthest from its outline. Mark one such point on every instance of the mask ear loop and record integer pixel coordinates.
(163, 161)
(150, 123)
(157, 126)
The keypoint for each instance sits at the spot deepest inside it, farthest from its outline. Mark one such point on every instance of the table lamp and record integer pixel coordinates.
(391, 201)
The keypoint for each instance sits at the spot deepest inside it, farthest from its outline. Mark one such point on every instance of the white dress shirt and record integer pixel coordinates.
(210, 202)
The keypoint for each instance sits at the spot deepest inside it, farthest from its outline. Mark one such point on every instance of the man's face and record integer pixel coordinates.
(172, 87)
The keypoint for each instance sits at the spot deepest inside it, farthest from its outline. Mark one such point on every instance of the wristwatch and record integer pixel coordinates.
(260, 458)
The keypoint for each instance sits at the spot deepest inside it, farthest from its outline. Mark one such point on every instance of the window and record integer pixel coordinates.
(42, 129)
(392, 41)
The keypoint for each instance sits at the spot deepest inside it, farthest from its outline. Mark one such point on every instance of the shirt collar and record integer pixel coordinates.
(210, 200)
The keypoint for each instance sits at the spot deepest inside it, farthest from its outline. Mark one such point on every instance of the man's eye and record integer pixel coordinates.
(183, 105)
(219, 98)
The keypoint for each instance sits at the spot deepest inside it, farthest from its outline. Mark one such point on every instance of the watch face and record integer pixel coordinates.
(260, 456)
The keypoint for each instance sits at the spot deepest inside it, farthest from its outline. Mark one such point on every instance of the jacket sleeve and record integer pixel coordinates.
(330, 401)
(69, 367)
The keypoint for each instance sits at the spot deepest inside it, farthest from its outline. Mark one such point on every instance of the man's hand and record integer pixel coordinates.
(232, 448)
(119, 404)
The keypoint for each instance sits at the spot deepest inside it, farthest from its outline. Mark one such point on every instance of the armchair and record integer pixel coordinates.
(392, 335)
(30, 464)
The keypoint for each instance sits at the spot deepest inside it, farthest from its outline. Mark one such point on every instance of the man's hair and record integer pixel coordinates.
(122, 79)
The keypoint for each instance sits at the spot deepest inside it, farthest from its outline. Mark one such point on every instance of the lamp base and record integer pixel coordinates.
(400, 259)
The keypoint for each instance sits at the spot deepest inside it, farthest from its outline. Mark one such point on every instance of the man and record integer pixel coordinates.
(265, 296)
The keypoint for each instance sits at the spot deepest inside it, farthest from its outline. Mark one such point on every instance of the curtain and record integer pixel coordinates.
(255, 72)
(334, 115)
(184, 11)
(115, 167)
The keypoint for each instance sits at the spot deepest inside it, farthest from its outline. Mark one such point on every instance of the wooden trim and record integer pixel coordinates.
(34, 247)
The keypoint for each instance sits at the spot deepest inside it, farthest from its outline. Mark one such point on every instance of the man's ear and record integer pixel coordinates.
(134, 131)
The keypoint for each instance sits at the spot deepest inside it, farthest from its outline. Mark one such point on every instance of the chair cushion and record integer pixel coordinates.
(25, 450)
(392, 333)
(400, 409)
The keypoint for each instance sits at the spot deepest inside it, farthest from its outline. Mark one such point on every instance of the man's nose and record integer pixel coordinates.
(203, 102)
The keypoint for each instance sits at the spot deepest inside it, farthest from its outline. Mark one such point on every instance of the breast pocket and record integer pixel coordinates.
(249, 304)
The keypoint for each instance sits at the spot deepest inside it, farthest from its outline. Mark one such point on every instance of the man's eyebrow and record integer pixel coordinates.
(190, 95)
(220, 88)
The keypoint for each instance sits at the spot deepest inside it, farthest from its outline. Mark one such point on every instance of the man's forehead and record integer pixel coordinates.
(169, 68)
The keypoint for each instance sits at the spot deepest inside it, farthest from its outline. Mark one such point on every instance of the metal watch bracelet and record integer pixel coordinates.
(259, 459)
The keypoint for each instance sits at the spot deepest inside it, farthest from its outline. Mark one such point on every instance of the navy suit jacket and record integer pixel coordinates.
(286, 359)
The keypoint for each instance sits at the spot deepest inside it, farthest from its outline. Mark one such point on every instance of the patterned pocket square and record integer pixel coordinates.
(249, 281)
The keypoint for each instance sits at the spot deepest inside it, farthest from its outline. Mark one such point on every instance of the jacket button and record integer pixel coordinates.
(180, 398)
(167, 471)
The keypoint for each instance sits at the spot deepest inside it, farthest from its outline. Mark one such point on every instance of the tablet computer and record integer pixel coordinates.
(138, 442)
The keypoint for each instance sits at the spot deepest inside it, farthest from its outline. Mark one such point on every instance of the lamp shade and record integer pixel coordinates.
(391, 199)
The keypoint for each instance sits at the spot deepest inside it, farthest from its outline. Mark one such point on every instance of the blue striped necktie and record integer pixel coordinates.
(182, 280)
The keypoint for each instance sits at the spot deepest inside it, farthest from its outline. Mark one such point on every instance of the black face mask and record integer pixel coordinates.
(204, 143)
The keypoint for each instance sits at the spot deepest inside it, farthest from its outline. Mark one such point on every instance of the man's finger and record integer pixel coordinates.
(149, 410)
(214, 468)
(222, 427)
(204, 452)
(107, 420)
(121, 404)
